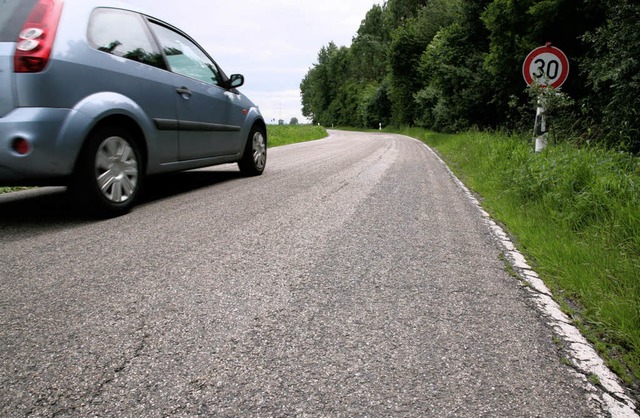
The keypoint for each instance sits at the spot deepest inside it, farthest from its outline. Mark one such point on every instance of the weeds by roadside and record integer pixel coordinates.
(11, 189)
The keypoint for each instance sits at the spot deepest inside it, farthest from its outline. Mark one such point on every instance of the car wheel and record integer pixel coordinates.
(109, 174)
(254, 158)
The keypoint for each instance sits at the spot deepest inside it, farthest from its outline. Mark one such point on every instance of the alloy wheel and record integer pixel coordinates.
(116, 169)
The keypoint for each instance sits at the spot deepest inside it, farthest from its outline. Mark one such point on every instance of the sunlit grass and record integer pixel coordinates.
(11, 189)
(290, 134)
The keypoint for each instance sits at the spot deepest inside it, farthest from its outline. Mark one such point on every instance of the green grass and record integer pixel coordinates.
(11, 189)
(290, 134)
(277, 135)
(576, 215)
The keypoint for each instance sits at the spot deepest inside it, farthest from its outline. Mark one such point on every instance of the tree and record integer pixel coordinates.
(373, 25)
(509, 24)
(317, 88)
(400, 11)
(407, 46)
(612, 70)
(374, 107)
(405, 51)
(456, 96)
(515, 28)
(454, 64)
(456, 93)
(369, 59)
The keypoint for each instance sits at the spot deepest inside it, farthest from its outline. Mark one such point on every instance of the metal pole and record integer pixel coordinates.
(540, 127)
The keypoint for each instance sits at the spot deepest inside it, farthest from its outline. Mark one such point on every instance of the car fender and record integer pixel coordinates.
(255, 117)
(94, 109)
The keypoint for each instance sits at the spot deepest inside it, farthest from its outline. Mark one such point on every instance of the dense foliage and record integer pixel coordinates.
(450, 65)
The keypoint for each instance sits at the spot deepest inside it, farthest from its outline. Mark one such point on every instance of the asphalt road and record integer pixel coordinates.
(354, 278)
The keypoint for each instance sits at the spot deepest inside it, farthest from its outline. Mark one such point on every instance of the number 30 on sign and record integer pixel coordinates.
(546, 66)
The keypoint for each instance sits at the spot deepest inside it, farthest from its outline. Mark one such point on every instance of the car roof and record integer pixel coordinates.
(119, 4)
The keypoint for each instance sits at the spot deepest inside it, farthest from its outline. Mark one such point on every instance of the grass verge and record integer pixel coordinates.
(11, 189)
(575, 213)
(290, 134)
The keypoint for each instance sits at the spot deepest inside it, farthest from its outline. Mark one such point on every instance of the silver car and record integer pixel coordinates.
(98, 97)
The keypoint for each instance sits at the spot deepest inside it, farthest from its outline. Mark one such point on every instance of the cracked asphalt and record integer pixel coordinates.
(354, 278)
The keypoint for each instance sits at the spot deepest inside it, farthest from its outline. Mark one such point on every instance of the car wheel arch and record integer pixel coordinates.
(95, 111)
(254, 156)
(263, 127)
(110, 169)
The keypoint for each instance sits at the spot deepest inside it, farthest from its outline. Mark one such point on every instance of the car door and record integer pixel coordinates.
(205, 129)
(142, 76)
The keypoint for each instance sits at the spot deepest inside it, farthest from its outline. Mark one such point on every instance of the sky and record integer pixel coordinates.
(273, 43)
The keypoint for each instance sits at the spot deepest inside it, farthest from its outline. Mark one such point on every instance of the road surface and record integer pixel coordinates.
(354, 278)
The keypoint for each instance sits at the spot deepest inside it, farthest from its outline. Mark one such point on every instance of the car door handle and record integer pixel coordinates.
(184, 92)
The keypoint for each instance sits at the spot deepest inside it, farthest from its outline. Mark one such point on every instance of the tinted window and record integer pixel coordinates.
(184, 57)
(124, 34)
(13, 13)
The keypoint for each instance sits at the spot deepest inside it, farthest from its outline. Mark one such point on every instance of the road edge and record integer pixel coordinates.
(609, 392)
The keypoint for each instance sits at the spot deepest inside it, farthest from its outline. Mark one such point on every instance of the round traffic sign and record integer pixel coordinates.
(546, 66)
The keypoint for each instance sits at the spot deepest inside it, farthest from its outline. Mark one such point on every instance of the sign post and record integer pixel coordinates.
(545, 66)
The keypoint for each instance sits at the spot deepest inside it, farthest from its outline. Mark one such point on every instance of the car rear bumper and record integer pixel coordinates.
(49, 157)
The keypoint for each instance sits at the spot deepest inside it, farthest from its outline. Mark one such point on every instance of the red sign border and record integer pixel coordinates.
(551, 50)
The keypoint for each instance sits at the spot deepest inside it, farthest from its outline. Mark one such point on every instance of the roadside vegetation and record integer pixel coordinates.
(575, 213)
(11, 189)
(454, 65)
(288, 134)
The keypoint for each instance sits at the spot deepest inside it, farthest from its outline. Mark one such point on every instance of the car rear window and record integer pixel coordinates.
(13, 13)
(125, 34)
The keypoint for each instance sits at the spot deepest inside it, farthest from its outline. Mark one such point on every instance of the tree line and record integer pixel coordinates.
(452, 65)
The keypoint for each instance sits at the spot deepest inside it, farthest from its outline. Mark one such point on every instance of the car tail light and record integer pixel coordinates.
(36, 37)
(21, 146)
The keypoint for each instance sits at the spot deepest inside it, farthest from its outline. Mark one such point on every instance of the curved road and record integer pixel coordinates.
(354, 278)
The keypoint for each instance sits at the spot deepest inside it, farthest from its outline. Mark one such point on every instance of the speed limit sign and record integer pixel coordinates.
(546, 66)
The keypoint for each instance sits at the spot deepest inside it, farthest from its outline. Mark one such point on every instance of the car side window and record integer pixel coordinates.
(124, 34)
(184, 57)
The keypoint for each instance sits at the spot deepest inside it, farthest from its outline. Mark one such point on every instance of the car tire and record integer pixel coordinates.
(254, 158)
(109, 173)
